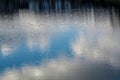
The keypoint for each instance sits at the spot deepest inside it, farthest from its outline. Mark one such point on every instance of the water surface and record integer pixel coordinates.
(65, 44)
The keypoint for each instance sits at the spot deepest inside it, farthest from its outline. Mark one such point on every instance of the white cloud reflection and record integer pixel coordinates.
(62, 69)
(96, 49)
(35, 30)
(98, 42)
(6, 49)
(40, 28)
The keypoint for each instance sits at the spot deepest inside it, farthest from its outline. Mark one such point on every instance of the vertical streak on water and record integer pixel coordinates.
(58, 5)
(114, 20)
(45, 6)
(67, 5)
(34, 6)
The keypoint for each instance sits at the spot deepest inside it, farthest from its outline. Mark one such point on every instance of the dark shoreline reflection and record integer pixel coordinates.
(69, 43)
(11, 6)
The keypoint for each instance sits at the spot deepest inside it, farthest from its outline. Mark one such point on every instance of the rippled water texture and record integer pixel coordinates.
(81, 44)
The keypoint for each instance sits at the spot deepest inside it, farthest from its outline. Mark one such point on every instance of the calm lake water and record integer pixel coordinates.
(64, 44)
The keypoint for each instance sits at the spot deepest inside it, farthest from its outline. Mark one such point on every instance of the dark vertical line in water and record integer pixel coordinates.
(67, 6)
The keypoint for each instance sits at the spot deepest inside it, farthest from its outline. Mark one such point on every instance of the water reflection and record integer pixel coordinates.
(83, 44)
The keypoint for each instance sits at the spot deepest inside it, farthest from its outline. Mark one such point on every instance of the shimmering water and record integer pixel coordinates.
(72, 44)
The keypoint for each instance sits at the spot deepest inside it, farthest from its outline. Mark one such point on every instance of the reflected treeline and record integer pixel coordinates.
(9, 6)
